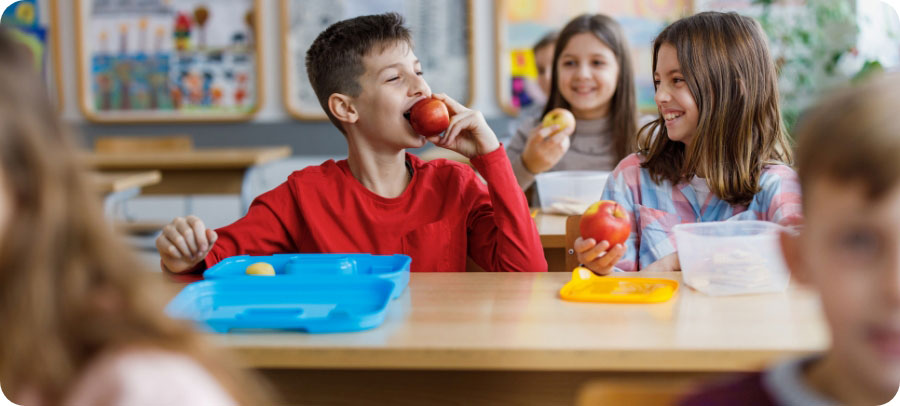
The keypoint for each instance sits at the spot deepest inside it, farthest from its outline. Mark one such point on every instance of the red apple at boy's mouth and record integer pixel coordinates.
(606, 221)
(429, 117)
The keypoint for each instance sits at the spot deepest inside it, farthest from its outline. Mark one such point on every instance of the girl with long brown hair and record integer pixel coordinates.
(593, 78)
(83, 321)
(717, 151)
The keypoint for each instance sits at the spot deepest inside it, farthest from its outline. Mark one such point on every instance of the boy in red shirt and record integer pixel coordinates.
(380, 200)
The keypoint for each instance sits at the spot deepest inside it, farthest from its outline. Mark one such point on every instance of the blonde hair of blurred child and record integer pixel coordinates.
(848, 250)
(70, 292)
(848, 159)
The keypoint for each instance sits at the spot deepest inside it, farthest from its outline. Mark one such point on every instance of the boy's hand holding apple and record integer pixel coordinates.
(465, 131)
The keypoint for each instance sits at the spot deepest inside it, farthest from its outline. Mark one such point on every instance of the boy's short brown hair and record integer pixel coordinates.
(334, 62)
(853, 136)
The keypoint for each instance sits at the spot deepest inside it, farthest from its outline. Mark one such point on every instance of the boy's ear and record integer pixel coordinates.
(793, 255)
(342, 108)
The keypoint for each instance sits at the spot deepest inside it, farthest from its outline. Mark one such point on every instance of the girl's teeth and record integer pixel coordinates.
(671, 116)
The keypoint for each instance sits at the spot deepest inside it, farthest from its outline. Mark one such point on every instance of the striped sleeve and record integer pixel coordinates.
(780, 196)
(623, 187)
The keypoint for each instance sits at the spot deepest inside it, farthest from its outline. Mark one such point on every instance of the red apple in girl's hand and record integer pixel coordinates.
(429, 117)
(606, 221)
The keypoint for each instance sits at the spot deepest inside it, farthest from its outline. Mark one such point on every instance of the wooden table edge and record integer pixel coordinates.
(726, 360)
(135, 179)
(254, 156)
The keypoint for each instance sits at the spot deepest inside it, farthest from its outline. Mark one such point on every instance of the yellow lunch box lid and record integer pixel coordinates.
(586, 286)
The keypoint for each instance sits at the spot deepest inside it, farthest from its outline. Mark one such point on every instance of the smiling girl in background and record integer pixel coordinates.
(718, 150)
(592, 77)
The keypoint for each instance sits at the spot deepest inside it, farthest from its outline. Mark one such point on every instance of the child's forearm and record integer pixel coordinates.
(514, 151)
(503, 234)
(524, 177)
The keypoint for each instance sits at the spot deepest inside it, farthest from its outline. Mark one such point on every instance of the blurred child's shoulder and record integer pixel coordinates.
(143, 376)
(744, 389)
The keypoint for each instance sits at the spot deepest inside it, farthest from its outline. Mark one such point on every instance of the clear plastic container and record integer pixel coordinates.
(732, 257)
(570, 192)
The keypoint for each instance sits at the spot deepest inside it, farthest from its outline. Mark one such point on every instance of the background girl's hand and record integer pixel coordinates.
(468, 133)
(545, 147)
(599, 258)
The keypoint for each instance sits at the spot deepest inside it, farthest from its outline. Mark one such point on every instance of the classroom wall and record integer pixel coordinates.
(272, 125)
(312, 142)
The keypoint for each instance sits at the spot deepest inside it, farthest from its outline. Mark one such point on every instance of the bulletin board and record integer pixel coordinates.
(34, 23)
(168, 60)
(521, 23)
(441, 31)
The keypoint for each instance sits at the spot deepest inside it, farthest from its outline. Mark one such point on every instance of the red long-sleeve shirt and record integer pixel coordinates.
(445, 213)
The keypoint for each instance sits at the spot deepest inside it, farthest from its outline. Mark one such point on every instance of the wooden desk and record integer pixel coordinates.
(552, 229)
(195, 172)
(494, 337)
(118, 187)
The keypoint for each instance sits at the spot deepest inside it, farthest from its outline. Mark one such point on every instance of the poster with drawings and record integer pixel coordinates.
(33, 23)
(168, 60)
(441, 31)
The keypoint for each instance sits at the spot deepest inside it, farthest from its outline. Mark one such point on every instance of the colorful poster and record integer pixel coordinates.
(168, 60)
(441, 31)
(30, 23)
(521, 23)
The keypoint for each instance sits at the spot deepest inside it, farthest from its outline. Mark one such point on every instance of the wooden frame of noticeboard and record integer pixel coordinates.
(216, 76)
(296, 35)
(56, 49)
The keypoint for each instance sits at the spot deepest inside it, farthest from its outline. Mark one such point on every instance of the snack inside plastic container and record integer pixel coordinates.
(569, 192)
(732, 257)
(585, 286)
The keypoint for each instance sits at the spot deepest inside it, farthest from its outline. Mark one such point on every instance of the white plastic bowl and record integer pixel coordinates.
(732, 257)
(570, 192)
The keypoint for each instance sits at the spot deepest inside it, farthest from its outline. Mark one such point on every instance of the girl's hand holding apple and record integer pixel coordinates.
(549, 142)
(604, 228)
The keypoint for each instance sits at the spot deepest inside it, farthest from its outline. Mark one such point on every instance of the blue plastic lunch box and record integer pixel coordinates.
(313, 305)
(394, 268)
(314, 293)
